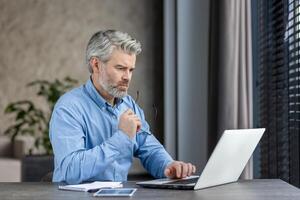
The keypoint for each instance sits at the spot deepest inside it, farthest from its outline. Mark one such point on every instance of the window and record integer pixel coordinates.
(278, 75)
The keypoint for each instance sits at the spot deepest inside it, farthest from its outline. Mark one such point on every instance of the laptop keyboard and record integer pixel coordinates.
(185, 181)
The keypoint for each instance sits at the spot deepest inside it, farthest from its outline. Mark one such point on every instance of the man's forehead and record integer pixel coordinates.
(119, 57)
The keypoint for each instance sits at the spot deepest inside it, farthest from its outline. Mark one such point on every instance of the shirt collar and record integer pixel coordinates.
(96, 97)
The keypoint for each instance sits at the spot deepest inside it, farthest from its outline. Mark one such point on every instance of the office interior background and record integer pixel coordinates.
(206, 66)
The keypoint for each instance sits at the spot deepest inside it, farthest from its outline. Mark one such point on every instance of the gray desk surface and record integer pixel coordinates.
(242, 190)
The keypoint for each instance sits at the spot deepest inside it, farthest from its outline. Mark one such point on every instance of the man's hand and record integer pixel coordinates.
(178, 169)
(129, 123)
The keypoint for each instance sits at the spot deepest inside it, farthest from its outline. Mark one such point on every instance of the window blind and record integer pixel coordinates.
(279, 88)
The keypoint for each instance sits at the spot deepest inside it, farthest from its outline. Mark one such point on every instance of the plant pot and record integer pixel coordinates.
(36, 167)
(21, 146)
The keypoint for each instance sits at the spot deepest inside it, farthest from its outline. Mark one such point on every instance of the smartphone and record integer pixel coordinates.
(116, 192)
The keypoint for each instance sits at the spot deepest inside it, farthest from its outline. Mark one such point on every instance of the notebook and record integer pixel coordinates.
(225, 164)
(90, 187)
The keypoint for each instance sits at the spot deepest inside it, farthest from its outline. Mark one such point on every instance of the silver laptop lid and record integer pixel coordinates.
(229, 157)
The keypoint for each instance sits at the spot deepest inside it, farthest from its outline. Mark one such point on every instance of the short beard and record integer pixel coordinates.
(112, 90)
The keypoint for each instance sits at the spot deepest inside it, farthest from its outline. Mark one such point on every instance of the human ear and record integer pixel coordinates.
(95, 64)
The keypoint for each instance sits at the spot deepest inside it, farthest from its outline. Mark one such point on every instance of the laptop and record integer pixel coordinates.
(225, 164)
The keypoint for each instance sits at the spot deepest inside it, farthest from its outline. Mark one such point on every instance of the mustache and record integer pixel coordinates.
(124, 83)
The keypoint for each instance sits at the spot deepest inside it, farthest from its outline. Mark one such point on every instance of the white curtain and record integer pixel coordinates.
(235, 69)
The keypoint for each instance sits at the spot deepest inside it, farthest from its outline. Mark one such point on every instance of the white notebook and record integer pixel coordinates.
(86, 187)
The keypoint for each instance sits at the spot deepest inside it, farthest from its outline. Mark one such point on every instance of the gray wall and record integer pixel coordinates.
(193, 43)
(186, 79)
(47, 39)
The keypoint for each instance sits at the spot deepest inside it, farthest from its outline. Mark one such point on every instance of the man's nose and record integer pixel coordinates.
(126, 75)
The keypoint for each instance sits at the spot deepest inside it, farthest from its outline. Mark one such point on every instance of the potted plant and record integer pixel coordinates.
(32, 121)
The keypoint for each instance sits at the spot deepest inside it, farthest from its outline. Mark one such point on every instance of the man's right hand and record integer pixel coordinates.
(129, 123)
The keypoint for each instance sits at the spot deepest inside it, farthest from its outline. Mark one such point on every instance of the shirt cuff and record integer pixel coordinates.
(165, 164)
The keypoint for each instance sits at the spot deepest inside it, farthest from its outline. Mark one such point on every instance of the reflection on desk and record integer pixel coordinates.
(274, 189)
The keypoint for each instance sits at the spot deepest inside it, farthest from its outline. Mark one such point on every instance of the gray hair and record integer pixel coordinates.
(102, 44)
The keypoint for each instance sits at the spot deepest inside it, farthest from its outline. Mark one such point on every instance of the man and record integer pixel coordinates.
(96, 129)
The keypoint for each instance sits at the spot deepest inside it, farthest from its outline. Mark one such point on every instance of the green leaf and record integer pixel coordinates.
(30, 120)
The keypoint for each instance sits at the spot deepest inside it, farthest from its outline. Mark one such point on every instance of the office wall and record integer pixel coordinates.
(186, 79)
(47, 40)
(193, 46)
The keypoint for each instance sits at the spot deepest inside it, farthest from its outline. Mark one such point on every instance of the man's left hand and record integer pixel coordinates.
(178, 169)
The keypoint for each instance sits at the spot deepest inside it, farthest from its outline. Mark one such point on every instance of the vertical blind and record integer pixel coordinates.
(279, 88)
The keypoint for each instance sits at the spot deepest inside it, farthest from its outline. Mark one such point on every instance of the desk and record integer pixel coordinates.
(246, 190)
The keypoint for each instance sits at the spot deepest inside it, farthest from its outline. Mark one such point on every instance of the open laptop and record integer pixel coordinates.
(225, 164)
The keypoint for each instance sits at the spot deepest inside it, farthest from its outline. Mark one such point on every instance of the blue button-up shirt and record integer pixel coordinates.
(88, 145)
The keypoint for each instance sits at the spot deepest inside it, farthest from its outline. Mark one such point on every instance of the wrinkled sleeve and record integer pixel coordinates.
(152, 154)
(74, 163)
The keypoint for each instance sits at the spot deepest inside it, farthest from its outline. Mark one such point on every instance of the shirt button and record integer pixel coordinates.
(114, 116)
